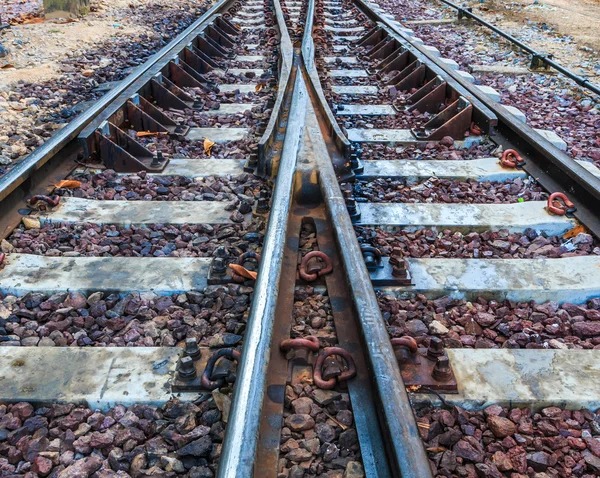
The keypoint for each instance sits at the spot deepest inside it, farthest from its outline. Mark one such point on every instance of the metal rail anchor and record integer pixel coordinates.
(342, 377)
(207, 380)
(310, 266)
(559, 204)
(305, 345)
(246, 256)
(511, 159)
(43, 203)
(424, 369)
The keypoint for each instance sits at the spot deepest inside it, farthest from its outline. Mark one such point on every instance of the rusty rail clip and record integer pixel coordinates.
(344, 376)
(246, 256)
(511, 159)
(564, 207)
(311, 276)
(309, 342)
(43, 203)
(206, 381)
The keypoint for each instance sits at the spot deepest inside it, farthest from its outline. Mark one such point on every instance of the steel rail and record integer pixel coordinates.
(264, 169)
(19, 174)
(537, 56)
(405, 449)
(552, 165)
(241, 435)
(408, 456)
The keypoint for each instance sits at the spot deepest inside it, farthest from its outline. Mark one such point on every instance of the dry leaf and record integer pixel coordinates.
(436, 449)
(144, 134)
(258, 88)
(573, 232)
(208, 145)
(242, 271)
(31, 21)
(7, 65)
(62, 21)
(68, 184)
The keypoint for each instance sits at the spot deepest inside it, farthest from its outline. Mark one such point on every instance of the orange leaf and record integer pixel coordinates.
(142, 134)
(242, 271)
(208, 145)
(573, 232)
(68, 184)
(31, 21)
(258, 87)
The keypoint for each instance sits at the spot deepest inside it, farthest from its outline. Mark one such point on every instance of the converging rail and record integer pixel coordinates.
(298, 242)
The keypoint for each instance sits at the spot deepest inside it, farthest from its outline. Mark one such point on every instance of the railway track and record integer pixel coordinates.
(295, 243)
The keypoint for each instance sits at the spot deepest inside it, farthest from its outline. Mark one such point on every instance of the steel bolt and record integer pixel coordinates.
(441, 370)
(218, 265)
(262, 206)
(396, 258)
(191, 349)
(436, 348)
(351, 205)
(186, 370)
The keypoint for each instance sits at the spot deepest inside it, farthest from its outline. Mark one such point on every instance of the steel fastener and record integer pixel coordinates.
(206, 380)
(442, 370)
(318, 370)
(309, 342)
(436, 348)
(191, 348)
(559, 204)
(302, 270)
(186, 370)
(511, 159)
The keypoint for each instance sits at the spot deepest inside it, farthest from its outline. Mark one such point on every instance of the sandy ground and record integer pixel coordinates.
(567, 29)
(35, 49)
(53, 68)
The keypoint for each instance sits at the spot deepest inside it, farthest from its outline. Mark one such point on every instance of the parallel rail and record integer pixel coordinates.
(306, 154)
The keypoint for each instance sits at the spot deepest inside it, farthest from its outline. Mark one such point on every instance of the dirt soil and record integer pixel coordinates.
(568, 29)
(52, 70)
(36, 48)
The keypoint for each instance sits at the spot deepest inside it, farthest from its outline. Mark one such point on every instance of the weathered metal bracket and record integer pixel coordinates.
(418, 371)
(167, 123)
(224, 369)
(398, 60)
(453, 121)
(384, 276)
(121, 152)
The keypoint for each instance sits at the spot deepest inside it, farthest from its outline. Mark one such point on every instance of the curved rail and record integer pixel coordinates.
(406, 453)
(239, 448)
